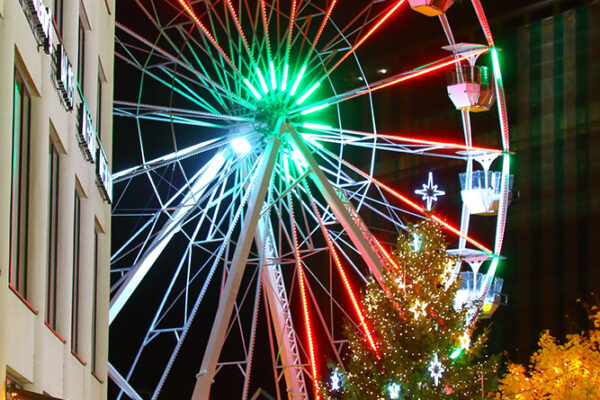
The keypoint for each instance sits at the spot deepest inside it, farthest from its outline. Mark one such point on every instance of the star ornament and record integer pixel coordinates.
(436, 369)
(430, 192)
(419, 309)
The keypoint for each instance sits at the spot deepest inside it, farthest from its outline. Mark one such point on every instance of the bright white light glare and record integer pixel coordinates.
(394, 391)
(382, 71)
(335, 381)
(240, 145)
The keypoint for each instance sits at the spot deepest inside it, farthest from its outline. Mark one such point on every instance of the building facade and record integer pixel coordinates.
(56, 85)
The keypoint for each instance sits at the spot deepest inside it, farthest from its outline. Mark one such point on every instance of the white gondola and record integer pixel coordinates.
(471, 290)
(431, 8)
(481, 191)
(470, 86)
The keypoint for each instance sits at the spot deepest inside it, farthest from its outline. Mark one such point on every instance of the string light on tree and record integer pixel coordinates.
(418, 331)
(430, 192)
(436, 369)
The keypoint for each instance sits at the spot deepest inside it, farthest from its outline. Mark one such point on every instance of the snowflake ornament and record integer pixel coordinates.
(436, 369)
(465, 341)
(416, 242)
(394, 391)
(430, 192)
(336, 380)
(419, 309)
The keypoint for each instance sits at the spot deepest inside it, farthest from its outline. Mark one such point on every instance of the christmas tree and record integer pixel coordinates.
(425, 348)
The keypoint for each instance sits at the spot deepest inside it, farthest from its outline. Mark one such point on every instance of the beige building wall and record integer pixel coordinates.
(34, 356)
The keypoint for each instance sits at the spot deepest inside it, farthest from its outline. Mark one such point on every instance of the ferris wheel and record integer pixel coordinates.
(251, 211)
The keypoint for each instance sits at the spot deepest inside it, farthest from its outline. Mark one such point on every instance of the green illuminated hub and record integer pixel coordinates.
(278, 94)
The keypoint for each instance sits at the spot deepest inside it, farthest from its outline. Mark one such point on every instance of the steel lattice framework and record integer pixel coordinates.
(255, 200)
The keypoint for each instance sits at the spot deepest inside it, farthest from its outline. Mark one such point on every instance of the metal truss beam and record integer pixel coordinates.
(285, 333)
(137, 273)
(207, 372)
(356, 232)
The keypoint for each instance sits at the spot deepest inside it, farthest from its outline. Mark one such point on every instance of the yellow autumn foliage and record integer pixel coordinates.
(569, 371)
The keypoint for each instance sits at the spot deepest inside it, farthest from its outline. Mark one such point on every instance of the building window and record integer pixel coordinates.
(51, 290)
(76, 273)
(99, 107)
(19, 200)
(94, 358)
(57, 13)
(81, 56)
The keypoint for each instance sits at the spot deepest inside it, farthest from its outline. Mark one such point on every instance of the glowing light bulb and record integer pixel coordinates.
(241, 145)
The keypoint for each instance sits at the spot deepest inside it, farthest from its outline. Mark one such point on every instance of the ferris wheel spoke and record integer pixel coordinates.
(276, 297)
(216, 261)
(216, 340)
(380, 22)
(349, 289)
(204, 80)
(207, 34)
(394, 80)
(343, 34)
(347, 136)
(137, 272)
(185, 93)
(416, 206)
(129, 109)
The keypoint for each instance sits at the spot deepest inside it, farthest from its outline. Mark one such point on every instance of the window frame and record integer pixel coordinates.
(94, 338)
(81, 56)
(57, 15)
(53, 231)
(76, 275)
(19, 196)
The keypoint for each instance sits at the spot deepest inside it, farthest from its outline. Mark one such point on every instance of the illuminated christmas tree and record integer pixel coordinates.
(424, 346)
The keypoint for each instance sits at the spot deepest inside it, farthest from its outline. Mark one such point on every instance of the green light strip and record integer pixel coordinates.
(273, 77)
(317, 127)
(284, 79)
(261, 79)
(308, 93)
(315, 109)
(252, 89)
(298, 79)
(496, 63)
(456, 353)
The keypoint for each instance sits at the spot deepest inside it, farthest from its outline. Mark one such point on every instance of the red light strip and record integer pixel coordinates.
(210, 37)
(366, 36)
(263, 10)
(290, 30)
(311, 345)
(349, 289)
(239, 28)
(414, 205)
(483, 21)
(302, 282)
(321, 28)
(416, 73)
(420, 141)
